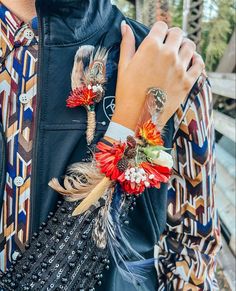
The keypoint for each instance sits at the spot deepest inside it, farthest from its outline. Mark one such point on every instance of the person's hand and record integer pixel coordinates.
(163, 61)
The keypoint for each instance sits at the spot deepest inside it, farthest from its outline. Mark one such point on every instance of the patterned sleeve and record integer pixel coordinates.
(186, 251)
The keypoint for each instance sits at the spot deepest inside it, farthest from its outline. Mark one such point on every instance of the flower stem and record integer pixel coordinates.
(91, 126)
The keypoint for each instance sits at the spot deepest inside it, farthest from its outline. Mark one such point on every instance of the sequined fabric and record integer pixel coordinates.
(63, 255)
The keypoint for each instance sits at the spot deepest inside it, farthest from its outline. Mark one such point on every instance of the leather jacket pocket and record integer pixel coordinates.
(2, 164)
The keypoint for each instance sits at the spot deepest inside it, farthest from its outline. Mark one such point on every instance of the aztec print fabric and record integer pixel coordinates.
(186, 252)
(18, 56)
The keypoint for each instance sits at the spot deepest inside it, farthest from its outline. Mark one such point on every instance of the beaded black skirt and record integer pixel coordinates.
(61, 256)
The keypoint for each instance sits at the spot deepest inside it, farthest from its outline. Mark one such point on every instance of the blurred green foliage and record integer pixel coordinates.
(126, 7)
(176, 10)
(216, 32)
(218, 24)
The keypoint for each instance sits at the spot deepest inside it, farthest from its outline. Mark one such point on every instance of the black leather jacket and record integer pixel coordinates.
(64, 25)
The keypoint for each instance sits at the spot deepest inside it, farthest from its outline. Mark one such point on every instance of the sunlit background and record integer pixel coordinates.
(212, 26)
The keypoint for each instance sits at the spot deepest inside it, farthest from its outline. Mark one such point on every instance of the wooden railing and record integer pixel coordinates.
(224, 84)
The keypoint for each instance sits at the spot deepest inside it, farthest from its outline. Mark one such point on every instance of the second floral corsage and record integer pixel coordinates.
(87, 83)
(138, 163)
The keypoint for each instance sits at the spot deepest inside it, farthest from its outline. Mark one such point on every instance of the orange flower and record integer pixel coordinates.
(150, 133)
(81, 96)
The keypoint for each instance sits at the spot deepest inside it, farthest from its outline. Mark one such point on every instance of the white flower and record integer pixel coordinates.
(138, 180)
(127, 172)
(164, 159)
(95, 89)
(146, 183)
(99, 87)
(141, 171)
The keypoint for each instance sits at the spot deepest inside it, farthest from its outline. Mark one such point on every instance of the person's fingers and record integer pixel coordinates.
(174, 38)
(186, 52)
(127, 47)
(196, 69)
(159, 31)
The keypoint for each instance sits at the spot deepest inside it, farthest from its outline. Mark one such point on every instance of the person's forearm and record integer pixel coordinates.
(127, 117)
(161, 62)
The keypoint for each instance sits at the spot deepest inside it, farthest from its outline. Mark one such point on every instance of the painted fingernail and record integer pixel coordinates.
(123, 27)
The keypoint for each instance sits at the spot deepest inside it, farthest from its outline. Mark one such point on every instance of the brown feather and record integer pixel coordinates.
(80, 180)
(78, 74)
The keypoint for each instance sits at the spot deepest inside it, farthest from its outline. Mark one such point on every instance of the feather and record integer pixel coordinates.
(99, 233)
(96, 73)
(77, 75)
(109, 231)
(80, 180)
(93, 196)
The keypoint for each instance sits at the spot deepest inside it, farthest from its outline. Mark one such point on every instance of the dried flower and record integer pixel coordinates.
(130, 153)
(123, 164)
(131, 141)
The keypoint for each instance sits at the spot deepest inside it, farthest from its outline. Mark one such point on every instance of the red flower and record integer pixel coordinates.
(81, 96)
(135, 179)
(150, 134)
(108, 157)
(160, 174)
(154, 176)
(132, 188)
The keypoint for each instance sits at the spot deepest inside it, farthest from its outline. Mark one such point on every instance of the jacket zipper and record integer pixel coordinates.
(2, 164)
(36, 130)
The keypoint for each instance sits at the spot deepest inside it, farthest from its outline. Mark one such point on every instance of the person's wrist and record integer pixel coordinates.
(128, 116)
(116, 131)
(125, 121)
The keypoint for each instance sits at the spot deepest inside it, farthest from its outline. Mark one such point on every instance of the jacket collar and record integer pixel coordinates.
(68, 21)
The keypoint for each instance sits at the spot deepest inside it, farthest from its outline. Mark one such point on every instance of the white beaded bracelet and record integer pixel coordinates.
(118, 132)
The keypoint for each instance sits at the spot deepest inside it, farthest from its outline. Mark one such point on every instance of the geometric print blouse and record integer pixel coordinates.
(185, 254)
(18, 74)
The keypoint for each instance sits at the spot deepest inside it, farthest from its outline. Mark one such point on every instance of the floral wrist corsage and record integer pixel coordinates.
(138, 163)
